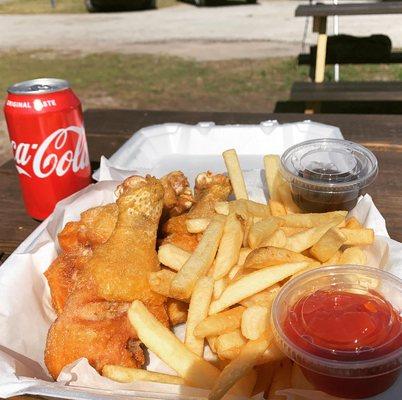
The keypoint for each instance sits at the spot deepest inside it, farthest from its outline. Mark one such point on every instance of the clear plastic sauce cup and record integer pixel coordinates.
(342, 325)
(328, 174)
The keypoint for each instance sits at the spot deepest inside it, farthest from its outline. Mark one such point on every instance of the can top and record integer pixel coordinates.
(38, 86)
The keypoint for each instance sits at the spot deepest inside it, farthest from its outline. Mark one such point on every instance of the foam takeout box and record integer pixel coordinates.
(25, 307)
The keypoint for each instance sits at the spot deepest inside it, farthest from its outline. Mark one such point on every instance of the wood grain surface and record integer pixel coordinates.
(107, 130)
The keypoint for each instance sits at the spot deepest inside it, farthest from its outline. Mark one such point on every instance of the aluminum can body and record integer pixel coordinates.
(45, 125)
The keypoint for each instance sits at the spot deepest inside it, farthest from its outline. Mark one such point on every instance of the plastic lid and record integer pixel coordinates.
(329, 164)
(351, 278)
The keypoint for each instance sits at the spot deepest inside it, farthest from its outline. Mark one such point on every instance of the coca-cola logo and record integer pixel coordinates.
(54, 154)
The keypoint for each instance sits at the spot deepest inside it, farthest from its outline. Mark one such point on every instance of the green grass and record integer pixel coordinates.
(62, 6)
(161, 82)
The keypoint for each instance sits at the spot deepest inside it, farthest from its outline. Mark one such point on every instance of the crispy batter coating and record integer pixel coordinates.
(94, 321)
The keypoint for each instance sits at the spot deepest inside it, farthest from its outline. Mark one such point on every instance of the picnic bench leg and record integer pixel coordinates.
(319, 26)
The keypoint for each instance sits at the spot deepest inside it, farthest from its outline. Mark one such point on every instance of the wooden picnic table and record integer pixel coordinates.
(107, 130)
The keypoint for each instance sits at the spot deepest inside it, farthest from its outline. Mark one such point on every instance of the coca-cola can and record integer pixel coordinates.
(45, 124)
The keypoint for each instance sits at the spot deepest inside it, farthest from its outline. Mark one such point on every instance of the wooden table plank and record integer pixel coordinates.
(109, 129)
(322, 10)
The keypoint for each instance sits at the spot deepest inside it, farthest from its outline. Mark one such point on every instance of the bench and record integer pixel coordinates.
(317, 91)
(346, 91)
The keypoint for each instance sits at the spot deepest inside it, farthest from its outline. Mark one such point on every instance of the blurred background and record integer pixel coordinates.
(170, 55)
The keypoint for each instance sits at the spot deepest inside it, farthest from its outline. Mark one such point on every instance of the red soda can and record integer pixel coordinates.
(45, 124)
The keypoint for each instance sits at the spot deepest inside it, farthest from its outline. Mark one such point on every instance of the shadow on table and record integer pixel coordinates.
(343, 107)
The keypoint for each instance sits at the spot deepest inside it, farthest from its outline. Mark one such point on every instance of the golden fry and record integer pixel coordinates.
(127, 375)
(229, 248)
(172, 256)
(197, 225)
(328, 245)
(228, 345)
(358, 237)
(160, 340)
(353, 223)
(264, 298)
(277, 208)
(254, 322)
(235, 174)
(197, 312)
(313, 219)
(277, 239)
(262, 230)
(354, 256)
(200, 261)
(240, 366)
(217, 324)
(285, 196)
(269, 256)
(254, 283)
(281, 379)
(304, 240)
(272, 175)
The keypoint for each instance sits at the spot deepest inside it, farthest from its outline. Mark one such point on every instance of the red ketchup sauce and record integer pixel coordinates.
(344, 326)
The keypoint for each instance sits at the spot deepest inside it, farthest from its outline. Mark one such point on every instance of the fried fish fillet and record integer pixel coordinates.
(94, 323)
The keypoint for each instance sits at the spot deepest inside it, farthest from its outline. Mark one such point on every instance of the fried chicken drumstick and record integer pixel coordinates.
(93, 323)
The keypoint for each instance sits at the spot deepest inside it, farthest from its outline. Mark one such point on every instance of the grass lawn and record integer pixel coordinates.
(62, 6)
(162, 82)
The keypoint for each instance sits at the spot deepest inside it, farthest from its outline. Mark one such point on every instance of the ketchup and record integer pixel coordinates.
(345, 326)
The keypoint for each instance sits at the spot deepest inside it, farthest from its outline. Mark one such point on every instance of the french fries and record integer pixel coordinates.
(127, 375)
(172, 256)
(200, 261)
(272, 175)
(219, 287)
(221, 323)
(229, 248)
(254, 322)
(160, 340)
(235, 174)
(353, 255)
(246, 253)
(262, 230)
(313, 219)
(277, 239)
(358, 237)
(264, 298)
(254, 283)
(353, 223)
(228, 345)
(269, 256)
(298, 380)
(304, 240)
(285, 196)
(281, 379)
(240, 366)
(197, 225)
(277, 208)
(197, 312)
(328, 245)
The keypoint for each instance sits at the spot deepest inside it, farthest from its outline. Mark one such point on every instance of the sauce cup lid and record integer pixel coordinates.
(343, 278)
(334, 165)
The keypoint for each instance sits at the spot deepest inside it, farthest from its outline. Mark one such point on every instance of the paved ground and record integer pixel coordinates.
(244, 31)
